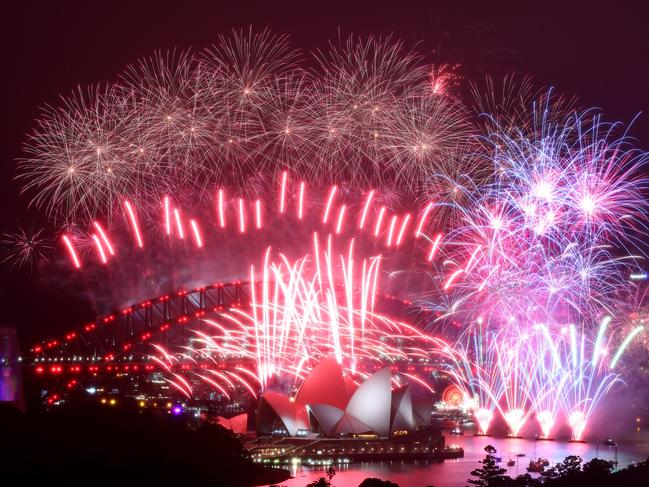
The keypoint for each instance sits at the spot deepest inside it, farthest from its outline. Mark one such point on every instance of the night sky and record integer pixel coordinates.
(597, 52)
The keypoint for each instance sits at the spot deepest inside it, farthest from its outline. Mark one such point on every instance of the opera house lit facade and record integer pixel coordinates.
(332, 404)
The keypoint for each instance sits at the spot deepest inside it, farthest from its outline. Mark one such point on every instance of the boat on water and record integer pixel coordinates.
(511, 463)
(536, 466)
(457, 431)
(520, 454)
(609, 442)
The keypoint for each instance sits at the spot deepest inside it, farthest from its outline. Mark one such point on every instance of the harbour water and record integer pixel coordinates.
(453, 473)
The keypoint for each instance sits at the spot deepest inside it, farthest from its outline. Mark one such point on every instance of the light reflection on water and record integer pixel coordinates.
(452, 473)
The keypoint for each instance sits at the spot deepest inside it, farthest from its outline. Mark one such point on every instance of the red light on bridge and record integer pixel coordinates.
(56, 369)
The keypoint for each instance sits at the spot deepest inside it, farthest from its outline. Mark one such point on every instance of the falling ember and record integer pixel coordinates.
(330, 199)
(134, 225)
(423, 219)
(242, 218)
(100, 249)
(341, 217)
(402, 230)
(167, 209)
(221, 208)
(282, 193)
(393, 223)
(179, 224)
(366, 207)
(71, 251)
(258, 214)
(434, 247)
(379, 221)
(300, 205)
(197, 234)
(104, 238)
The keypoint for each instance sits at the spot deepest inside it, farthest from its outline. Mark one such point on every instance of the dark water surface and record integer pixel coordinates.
(452, 473)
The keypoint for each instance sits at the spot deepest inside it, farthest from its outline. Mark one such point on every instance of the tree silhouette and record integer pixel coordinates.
(374, 482)
(569, 468)
(321, 482)
(490, 474)
(598, 468)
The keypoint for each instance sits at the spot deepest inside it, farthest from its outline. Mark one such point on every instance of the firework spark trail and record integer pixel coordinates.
(167, 215)
(134, 225)
(104, 237)
(197, 233)
(100, 249)
(71, 251)
(221, 209)
(300, 210)
(305, 310)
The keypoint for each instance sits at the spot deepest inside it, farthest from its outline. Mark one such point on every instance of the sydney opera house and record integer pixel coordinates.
(331, 404)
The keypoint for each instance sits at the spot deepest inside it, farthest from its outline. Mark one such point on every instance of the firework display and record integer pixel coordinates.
(297, 321)
(516, 221)
(179, 123)
(539, 372)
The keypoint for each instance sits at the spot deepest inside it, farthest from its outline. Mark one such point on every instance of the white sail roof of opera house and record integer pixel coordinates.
(333, 403)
